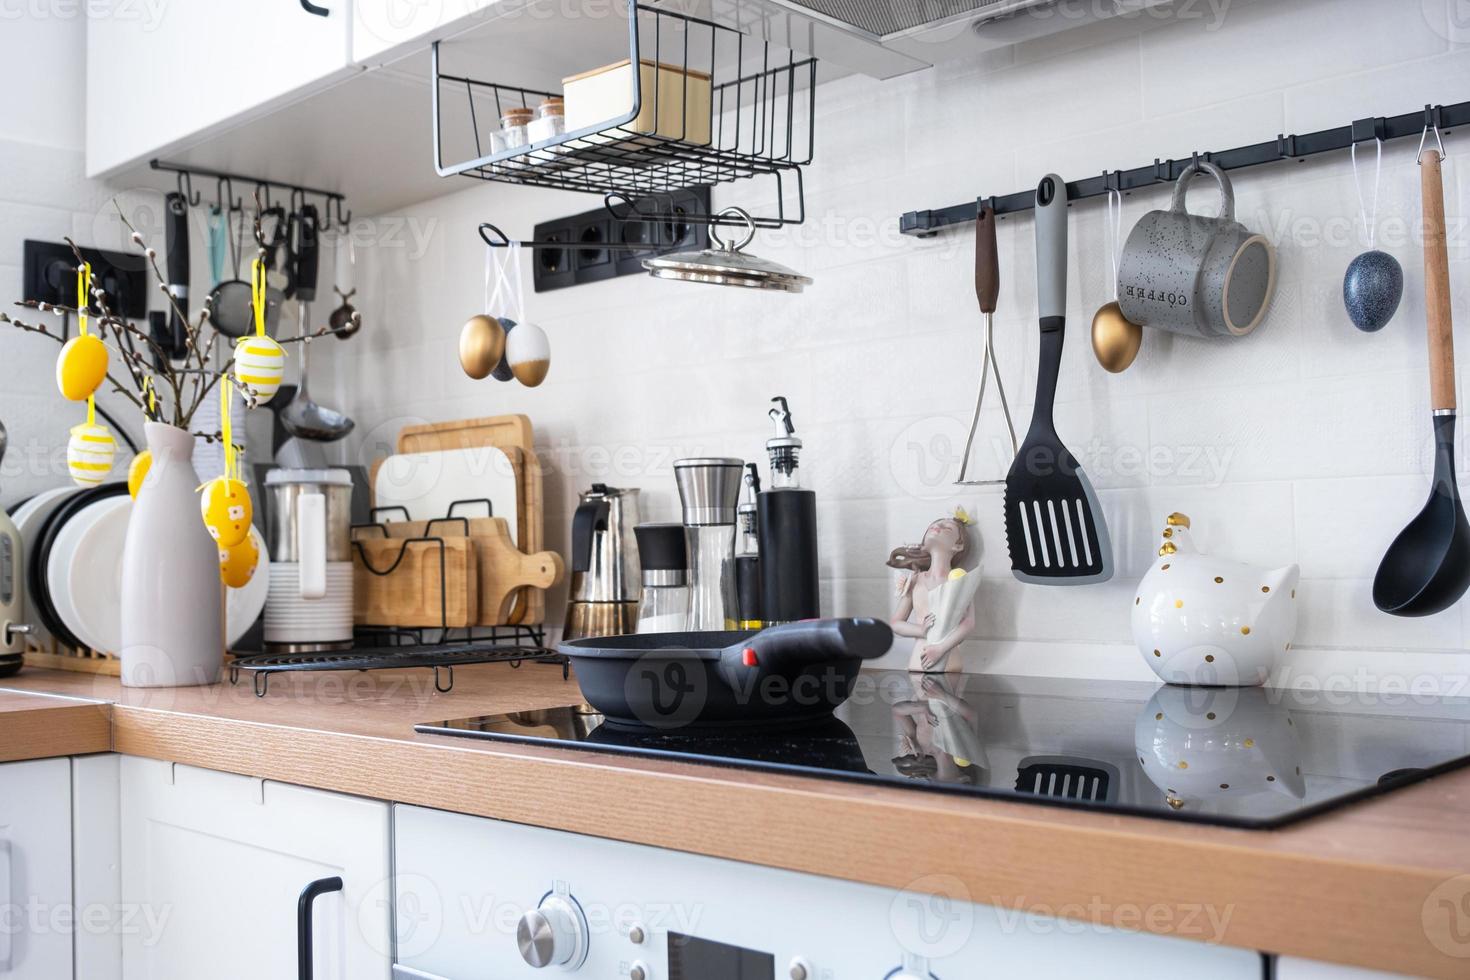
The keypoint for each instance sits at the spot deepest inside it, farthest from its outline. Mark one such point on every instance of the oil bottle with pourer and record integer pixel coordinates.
(786, 518)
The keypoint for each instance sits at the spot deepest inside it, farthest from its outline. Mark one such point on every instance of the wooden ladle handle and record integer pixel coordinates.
(987, 261)
(1437, 286)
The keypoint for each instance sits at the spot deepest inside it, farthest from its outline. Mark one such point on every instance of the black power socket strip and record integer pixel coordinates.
(587, 259)
(49, 275)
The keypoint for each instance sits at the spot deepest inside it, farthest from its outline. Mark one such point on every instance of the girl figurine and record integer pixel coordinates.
(936, 604)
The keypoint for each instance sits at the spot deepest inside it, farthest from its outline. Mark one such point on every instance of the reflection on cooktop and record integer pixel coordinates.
(1252, 757)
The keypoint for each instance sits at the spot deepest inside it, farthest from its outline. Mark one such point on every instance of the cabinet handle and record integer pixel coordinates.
(312, 8)
(303, 921)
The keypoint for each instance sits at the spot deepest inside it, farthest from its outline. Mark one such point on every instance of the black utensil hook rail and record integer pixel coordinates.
(333, 206)
(926, 224)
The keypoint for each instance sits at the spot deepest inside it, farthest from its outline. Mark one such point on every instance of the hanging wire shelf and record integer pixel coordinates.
(710, 105)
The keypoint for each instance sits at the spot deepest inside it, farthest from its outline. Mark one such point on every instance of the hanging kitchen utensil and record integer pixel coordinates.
(1055, 528)
(176, 258)
(303, 251)
(1427, 568)
(1115, 338)
(345, 321)
(728, 265)
(1374, 282)
(304, 418)
(231, 303)
(987, 290)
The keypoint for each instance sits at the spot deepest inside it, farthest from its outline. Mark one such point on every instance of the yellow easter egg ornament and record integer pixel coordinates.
(227, 511)
(138, 472)
(237, 565)
(81, 367)
(260, 362)
(89, 454)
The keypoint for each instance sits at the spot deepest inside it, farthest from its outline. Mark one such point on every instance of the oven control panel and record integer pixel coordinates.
(477, 898)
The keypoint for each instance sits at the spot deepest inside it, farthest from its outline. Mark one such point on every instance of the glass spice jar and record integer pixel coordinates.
(513, 127)
(550, 121)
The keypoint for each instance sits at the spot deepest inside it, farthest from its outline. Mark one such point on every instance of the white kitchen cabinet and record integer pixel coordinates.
(221, 861)
(384, 29)
(161, 76)
(35, 870)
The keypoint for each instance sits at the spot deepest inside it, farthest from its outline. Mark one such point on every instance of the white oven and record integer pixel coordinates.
(480, 899)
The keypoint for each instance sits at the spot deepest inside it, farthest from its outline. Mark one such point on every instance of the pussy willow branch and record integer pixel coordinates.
(32, 328)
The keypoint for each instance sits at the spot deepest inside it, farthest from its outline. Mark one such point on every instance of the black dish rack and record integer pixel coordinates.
(761, 109)
(396, 648)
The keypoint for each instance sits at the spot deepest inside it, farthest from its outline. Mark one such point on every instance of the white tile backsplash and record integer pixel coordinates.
(1307, 442)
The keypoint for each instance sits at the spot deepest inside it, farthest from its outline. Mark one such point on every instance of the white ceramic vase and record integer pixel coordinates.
(172, 628)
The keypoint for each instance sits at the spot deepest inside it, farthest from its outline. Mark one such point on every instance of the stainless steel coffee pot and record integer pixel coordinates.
(606, 578)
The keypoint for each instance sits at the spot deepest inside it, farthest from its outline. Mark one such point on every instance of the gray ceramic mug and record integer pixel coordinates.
(1207, 277)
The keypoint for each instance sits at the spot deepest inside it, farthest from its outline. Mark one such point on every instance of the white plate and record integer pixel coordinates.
(29, 519)
(426, 484)
(92, 579)
(84, 571)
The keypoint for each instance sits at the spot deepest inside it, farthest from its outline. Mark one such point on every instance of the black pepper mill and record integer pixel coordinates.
(787, 528)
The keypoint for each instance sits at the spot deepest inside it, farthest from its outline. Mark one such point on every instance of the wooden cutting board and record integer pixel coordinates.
(507, 432)
(408, 595)
(502, 568)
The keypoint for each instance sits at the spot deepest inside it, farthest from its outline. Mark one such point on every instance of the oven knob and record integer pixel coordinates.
(554, 934)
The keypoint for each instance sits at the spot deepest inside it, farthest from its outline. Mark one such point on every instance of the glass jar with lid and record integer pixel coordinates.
(513, 127)
(550, 121)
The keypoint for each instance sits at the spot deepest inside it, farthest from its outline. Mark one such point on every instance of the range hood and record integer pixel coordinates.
(886, 38)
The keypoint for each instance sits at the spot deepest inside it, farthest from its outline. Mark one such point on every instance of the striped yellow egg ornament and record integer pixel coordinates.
(237, 565)
(90, 453)
(227, 511)
(260, 362)
(81, 367)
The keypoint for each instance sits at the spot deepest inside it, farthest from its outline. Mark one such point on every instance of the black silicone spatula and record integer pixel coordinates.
(1427, 568)
(1055, 530)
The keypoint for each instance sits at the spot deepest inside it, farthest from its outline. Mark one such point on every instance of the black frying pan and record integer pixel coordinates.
(669, 681)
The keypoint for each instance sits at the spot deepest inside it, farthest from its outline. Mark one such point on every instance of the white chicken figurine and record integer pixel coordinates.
(1207, 621)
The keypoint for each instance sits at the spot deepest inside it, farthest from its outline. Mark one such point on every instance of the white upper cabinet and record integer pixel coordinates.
(161, 77)
(383, 30)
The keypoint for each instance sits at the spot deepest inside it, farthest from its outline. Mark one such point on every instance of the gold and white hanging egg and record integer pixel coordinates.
(90, 453)
(237, 564)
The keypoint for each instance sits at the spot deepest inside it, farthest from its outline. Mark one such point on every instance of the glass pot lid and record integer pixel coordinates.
(727, 264)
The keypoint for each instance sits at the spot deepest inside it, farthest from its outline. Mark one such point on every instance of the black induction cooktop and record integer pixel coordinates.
(1244, 757)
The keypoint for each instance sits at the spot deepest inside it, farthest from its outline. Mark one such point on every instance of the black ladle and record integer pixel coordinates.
(1427, 568)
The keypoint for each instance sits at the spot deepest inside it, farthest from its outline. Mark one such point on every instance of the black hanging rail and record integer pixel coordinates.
(926, 224)
(224, 190)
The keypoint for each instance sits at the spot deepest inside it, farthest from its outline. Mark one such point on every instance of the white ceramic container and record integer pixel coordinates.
(1203, 620)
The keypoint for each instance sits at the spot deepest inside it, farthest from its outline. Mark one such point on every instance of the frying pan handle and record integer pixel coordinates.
(987, 261)
(1437, 285)
(785, 650)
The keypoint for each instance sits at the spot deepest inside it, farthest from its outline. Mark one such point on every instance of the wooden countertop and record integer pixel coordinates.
(42, 726)
(1362, 885)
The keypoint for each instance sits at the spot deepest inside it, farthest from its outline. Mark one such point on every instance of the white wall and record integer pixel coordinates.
(1307, 442)
(44, 195)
